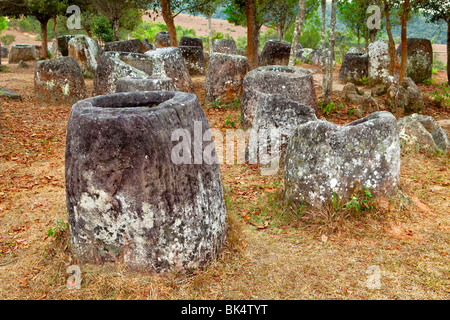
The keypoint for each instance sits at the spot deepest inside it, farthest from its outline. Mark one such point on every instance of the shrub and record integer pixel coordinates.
(7, 39)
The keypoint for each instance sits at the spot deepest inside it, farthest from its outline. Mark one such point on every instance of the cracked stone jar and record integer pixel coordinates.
(127, 199)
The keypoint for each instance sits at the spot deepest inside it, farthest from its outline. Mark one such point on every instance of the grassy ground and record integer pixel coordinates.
(270, 253)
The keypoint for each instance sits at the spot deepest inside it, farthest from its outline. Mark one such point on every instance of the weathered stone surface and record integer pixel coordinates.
(148, 45)
(277, 53)
(316, 56)
(5, 92)
(227, 46)
(379, 91)
(173, 64)
(162, 39)
(418, 132)
(356, 50)
(419, 65)
(151, 83)
(127, 199)
(405, 98)
(194, 59)
(225, 76)
(59, 80)
(274, 123)
(379, 63)
(85, 51)
(133, 45)
(305, 55)
(25, 52)
(115, 65)
(294, 83)
(4, 52)
(355, 67)
(324, 160)
(22, 64)
(191, 42)
(359, 98)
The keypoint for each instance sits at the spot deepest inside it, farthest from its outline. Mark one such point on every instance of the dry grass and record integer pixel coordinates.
(271, 252)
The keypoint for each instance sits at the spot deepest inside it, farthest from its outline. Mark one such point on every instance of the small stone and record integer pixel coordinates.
(5, 92)
(418, 131)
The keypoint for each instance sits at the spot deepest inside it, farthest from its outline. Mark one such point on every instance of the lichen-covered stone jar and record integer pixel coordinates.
(126, 199)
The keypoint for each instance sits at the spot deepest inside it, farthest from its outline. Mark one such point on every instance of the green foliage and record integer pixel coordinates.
(3, 24)
(311, 31)
(60, 225)
(442, 96)
(329, 108)
(102, 29)
(364, 81)
(241, 42)
(270, 34)
(7, 39)
(361, 201)
(149, 30)
(185, 32)
(218, 104)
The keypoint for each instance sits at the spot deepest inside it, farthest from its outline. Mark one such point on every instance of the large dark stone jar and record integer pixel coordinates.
(128, 195)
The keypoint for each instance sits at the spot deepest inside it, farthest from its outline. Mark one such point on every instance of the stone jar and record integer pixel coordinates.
(129, 198)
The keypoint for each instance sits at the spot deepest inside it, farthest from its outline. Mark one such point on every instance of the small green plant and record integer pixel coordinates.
(217, 104)
(351, 111)
(59, 226)
(427, 82)
(361, 201)
(230, 122)
(364, 81)
(329, 108)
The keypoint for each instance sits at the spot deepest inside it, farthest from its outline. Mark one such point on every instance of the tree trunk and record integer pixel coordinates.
(297, 30)
(330, 59)
(115, 22)
(210, 35)
(55, 49)
(324, 48)
(170, 23)
(392, 53)
(252, 34)
(44, 42)
(404, 19)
